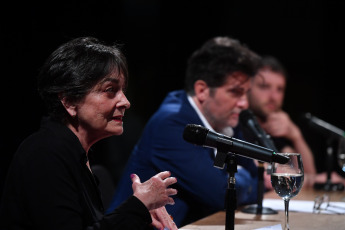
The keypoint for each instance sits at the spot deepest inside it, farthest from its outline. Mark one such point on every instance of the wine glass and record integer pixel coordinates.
(287, 180)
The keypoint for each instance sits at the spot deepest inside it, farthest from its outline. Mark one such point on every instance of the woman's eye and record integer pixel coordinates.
(110, 89)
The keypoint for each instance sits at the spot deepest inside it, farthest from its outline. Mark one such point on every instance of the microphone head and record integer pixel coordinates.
(307, 116)
(195, 134)
(245, 115)
(248, 119)
(281, 159)
(323, 127)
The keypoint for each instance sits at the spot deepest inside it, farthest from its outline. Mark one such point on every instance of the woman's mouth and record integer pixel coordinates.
(117, 118)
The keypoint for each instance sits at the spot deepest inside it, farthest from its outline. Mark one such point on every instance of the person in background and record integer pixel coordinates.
(50, 184)
(266, 97)
(216, 83)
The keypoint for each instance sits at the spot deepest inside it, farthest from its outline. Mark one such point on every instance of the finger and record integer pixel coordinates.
(135, 178)
(171, 191)
(172, 225)
(163, 174)
(166, 219)
(162, 215)
(169, 181)
(155, 219)
(170, 201)
(155, 223)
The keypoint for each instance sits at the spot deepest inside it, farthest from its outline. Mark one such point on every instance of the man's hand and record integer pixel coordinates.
(279, 124)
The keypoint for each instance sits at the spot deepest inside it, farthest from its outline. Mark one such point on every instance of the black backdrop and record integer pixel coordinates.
(158, 36)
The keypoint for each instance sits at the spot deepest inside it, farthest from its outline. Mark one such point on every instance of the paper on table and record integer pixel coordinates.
(274, 227)
(304, 206)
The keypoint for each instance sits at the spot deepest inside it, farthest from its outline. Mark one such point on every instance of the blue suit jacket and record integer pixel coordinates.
(201, 187)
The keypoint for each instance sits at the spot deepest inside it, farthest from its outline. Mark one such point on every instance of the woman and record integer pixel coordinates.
(50, 184)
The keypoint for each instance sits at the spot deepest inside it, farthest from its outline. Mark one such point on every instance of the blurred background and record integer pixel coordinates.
(307, 36)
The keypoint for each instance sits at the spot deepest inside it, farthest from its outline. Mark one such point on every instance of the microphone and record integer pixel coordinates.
(323, 126)
(248, 120)
(199, 135)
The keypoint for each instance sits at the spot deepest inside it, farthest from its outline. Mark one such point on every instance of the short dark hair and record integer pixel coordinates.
(274, 65)
(218, 58)
(73, 69)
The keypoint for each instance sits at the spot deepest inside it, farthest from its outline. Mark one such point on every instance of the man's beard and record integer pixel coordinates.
(261, 115)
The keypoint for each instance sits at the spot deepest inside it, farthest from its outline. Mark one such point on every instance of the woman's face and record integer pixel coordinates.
(100, 113)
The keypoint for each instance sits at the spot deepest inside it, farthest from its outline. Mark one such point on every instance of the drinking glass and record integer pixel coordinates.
(287, 180)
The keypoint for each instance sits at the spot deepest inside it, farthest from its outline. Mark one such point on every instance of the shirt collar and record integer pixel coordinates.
(201, 116)
(227, 131)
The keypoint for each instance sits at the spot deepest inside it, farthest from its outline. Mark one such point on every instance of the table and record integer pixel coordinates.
(300, 221)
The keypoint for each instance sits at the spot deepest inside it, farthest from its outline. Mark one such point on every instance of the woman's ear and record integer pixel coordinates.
(201, 90)
(70, 107)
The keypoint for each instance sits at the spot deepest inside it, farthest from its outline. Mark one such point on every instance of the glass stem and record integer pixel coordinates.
(286, 203)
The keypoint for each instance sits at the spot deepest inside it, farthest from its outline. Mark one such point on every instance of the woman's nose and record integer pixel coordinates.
(124, 102)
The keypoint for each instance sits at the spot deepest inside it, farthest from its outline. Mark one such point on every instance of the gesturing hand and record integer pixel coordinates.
(154, 193)
(162, 220)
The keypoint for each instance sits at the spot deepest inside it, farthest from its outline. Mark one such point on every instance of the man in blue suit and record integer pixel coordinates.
(216, 84)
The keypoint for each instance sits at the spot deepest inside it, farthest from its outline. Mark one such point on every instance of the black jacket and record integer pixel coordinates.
(49, 187)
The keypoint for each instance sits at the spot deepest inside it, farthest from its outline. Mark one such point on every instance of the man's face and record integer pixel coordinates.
(224, 104)
(266, 94)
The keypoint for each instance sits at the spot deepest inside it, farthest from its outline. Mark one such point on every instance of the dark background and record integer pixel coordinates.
(158, 37)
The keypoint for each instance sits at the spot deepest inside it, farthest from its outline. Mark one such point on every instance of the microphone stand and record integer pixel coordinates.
(257, 208)
(251, 124)
(328, 185)
(223, 157)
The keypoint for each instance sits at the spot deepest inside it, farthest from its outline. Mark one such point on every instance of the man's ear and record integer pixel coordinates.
(70, 107)
(201, 90)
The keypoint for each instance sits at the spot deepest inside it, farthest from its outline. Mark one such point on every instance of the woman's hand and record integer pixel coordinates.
(154, 193)
(162, 220)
